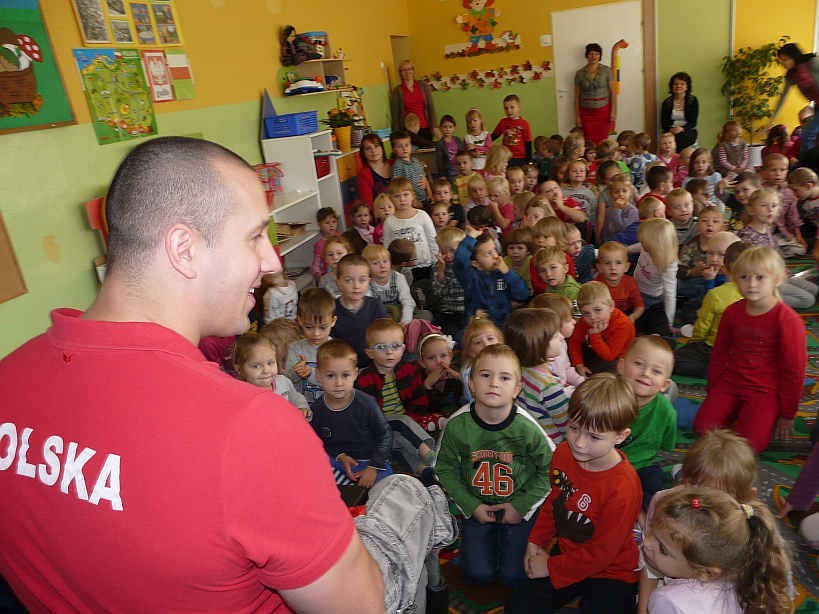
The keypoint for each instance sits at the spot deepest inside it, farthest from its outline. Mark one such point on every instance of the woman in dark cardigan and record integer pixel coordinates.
(679, 112)
(411, 96)
(375, 172)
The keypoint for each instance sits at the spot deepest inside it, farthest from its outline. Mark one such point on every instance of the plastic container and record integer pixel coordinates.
(291, 124)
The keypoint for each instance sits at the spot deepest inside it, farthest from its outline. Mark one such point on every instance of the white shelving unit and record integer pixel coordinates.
(303, 192)
(324, 68)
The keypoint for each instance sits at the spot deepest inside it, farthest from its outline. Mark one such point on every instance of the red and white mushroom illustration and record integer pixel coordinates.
(19, 50)
(30, 48)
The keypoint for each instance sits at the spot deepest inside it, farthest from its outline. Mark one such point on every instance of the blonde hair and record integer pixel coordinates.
(281, 332)
(529, 331)
(722, 459)
(802, 176)
(604, 403)
(654, 342)
(756, 196)
(243, 346)
(543, 203)
(373, 251)
(659, 238)
(713, 530)
(548, 254)
(341, 240)
(449, 235)
(761, 257)
(593, 291)
(493, 352)
(335, 348)
(476, 180)
(477, 325)
(611, 247)
(399, 184)
(498, 184)
(475, 112)
(377, 202)
(520, 201)
(382, 325)
(496, 158)
(649, 206)
(558, 303)
(551, 226)
(514, 171)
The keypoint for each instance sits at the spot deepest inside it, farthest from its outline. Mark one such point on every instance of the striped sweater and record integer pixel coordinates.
(543, 397)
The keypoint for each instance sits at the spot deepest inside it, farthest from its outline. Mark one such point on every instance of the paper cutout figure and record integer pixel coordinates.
(479, 23)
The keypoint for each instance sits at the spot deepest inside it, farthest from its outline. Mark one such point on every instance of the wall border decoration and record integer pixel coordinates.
(503, 76)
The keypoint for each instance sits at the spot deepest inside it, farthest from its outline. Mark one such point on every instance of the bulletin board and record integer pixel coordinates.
(11, 279)
(31, 89)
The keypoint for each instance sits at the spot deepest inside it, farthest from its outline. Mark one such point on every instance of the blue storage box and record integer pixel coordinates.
(291, 124)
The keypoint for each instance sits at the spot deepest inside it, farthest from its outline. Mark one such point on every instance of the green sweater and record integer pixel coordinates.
(568, 288)
(494, 463)
(655, 429)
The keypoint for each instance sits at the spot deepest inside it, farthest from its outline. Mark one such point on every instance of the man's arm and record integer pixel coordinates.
(353, 585)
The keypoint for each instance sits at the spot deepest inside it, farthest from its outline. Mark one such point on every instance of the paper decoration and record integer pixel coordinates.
(479, 24)
(158, 75)
(493, 79)
(140, 23)
(31, 90)
(118, 95)
(181, 74)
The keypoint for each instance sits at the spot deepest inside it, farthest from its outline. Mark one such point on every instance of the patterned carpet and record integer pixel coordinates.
(778, 468)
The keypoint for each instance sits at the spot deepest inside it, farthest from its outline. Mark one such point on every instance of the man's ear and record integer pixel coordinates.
(181, 247)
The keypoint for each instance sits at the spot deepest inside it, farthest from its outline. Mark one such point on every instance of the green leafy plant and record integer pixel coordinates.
(337, 118)
(750, 87)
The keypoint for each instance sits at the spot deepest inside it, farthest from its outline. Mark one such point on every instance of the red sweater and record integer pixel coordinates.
(626, 295)
(592, 514)
(765, 354)
(611, 344)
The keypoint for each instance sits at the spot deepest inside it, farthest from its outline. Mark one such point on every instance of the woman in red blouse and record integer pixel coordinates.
(411, 96)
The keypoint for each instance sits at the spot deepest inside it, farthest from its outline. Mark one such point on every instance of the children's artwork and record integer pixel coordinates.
(479, 24)
(31, 90)
(159, 77)
(117, 93)
(181, 75)
(492, 79)
(142, 23)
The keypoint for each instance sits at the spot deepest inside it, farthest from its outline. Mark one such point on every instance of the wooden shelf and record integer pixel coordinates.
(285, 200)
(287, 246)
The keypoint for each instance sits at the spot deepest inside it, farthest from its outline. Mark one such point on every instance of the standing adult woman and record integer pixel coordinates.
(374, 176)
(679, 112)
(803, 72)
(411, 96)
(595, 105)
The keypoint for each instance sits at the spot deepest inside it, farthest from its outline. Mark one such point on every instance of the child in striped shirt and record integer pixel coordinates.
(534, 335)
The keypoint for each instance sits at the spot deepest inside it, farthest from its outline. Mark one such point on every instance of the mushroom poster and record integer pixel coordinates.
(31, 89)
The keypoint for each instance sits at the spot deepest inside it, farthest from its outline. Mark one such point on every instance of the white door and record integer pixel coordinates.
(604, 24)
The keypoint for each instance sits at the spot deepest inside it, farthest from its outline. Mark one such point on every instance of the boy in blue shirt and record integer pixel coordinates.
(488, 282)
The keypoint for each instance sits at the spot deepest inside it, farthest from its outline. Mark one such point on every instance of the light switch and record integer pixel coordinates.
(545, 40)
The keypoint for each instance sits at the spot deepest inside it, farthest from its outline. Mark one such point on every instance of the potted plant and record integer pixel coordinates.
(749, 86)
(342, 123)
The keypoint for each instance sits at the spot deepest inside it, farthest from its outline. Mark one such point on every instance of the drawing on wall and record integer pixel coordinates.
(118, 95)
(159, 77)
(31, 90)
(497, 78)
(479, 24)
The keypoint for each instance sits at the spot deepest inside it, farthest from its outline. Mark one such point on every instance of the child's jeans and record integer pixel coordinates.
(341, 476)
(596, 594)
(494, 550)
(404, 523)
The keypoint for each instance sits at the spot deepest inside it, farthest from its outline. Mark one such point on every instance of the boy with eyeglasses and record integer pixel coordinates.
(398, 388)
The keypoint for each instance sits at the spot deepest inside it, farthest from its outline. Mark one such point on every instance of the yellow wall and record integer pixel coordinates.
(757, 22)
(233, 45)
(432, 23)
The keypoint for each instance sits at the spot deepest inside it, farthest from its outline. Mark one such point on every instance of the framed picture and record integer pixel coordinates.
(32, 94)
(91, 16)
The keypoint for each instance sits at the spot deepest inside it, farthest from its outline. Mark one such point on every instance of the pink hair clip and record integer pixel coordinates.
(695, 503)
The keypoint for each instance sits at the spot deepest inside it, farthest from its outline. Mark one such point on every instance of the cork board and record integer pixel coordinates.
(11, 279)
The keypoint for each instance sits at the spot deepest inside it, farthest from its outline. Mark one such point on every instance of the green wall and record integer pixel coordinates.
(693, 37)
(46, 176)
(537, 101)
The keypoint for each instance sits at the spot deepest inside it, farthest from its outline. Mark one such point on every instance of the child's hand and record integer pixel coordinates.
(302, 369)
(699, 268)
(598, 328)
(449, 373)
(367, 477)
(441, 266)
(484, 513)
(432, 378)
(510, 514)
(349, 462)
(501, 266)
(710, 272)
(583, 370)
(307, 413)
(536, 562)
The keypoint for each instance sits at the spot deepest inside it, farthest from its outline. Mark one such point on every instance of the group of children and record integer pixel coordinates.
(536, 397)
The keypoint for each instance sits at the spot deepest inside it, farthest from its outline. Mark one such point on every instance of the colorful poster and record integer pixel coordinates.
(142, 22)
(159, 77)
(479, 24)
(118, 95)
(181, 75)
(31, 89)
